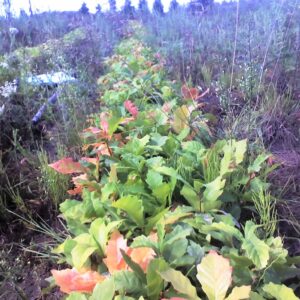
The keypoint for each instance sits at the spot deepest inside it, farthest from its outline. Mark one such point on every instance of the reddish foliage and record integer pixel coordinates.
(131, 108)
(67, 166)
(189, 93)
(70, 280)
(114, 259)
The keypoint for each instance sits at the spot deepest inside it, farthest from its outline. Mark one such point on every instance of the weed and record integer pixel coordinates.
(54, 184)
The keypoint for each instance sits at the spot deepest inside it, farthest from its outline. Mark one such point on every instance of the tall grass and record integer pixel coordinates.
(242, 53)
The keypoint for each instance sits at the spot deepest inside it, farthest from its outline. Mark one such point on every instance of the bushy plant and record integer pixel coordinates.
(160, 209)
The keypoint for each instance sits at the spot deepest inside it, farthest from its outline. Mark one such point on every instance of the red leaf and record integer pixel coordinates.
(70, 280)
(189, 93)
(132, 109)
(67, 166)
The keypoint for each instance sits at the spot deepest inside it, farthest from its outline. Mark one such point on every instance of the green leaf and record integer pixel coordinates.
(76, 296)
(154, 179)
(154, 280)
(255, 296)
(223, 232)
(100, 232)
(256, 249)
(191, 196)
(136, 146)
(122, 297)
(233, 155)
(81, 253)
(240, 293)
(134, 267)
(195, 251)
(280, 291)
(256, 165)
(179, 232)
(166, 91)
(127, 281)
(180, 283)
(133, 206)
(98, 206)
(143, 241)
(85, 247)
(213, 191)
(104, 290)
(215, 275)
(175, 251)
(113, 124)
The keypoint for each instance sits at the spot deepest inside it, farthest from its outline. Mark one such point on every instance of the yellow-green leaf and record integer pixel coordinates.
(215, 275)
(240, 293)
(180, 283)
(280, 291)
(181, 118)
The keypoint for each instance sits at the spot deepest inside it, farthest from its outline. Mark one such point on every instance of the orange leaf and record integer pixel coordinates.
(92, 160)
(189, 93)
(77, 180)
(142, 256)
(70, 280)
(67, 166)
(114, 259)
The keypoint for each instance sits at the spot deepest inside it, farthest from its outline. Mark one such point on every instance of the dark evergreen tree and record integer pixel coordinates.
(23, 14)
(84, 9)
(112, 5)
(199, 5)
(173, 5)
(143, 7)
(98, 9)
(128, 9)
(158, 7)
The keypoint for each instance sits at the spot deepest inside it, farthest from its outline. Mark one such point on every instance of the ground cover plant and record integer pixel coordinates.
(162, 202)
(176, 145)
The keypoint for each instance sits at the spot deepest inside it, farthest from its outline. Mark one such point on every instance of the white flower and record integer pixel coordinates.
(8, 89)
(13, 30)
(4, 65)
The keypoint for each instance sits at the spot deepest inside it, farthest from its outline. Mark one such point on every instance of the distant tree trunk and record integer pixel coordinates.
(30, 7)
(7, 9)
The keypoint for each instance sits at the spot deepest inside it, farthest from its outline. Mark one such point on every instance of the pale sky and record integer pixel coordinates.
(62, 5)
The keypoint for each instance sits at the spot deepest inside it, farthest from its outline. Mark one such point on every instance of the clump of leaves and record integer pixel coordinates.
(159, 215)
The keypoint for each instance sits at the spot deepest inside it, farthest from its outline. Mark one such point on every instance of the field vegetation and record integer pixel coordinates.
(164, 165)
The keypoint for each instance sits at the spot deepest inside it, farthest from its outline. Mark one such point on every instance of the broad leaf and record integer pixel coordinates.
(67, 166)
(76, 296)
(84, 248)
(154, 280)
(191, 196)
(133, 206)
(215, 275)
(213, 191)
(181, 118)
(104, 290)
(257, 164)
(128, 281)
(180, 283)
(240, 293)
(256, 249)
(100, 232)
(154, 179)
(233, 155)
(280, 291)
